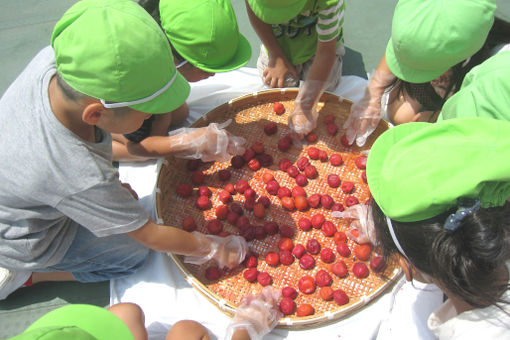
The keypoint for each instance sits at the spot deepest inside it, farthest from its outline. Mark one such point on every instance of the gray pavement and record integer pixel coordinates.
(25, 28)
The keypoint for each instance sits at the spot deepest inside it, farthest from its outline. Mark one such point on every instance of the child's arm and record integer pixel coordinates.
(323, 61)
(304, 117)
(279, 65)
(366, 113)
(211, 143)
(226, 251)
(159, 127)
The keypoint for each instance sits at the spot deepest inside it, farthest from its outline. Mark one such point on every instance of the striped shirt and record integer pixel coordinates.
(320, 20)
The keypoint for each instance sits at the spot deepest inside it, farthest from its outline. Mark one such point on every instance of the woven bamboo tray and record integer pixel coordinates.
(249, 114)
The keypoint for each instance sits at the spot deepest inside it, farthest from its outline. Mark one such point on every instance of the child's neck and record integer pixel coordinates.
(69, 113)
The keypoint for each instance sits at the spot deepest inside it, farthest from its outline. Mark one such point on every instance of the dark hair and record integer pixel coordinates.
(425, 94)
(466, 262)
(70, 93)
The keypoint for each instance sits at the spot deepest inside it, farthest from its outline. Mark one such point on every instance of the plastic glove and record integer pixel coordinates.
(366, 113)
(258, 314)
(226, 251)
(304, 117)
(363, 222)
(211, 143)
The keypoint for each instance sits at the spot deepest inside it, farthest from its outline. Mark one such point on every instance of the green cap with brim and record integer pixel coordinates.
(485, 91)
(430, 36)
(113, 50)
(276, 12)
(205, 33)
(416, 171)
(77, 322)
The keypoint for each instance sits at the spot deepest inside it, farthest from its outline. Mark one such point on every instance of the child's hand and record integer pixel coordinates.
(304, 117)
(280, 73)
(227, 251)
(211, 143)
(258, 314)
(363, 222)
(366, 113)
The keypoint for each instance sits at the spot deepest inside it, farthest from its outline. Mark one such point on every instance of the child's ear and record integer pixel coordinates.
(92, 113)
(406, 267)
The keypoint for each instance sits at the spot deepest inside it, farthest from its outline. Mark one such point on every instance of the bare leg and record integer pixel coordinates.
(189, 330)
(52, 276)
(132, 315)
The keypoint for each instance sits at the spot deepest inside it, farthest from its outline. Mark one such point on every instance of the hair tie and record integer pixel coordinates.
(466, 208)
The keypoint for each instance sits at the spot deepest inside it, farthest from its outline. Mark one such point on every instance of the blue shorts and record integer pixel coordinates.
(93, 259)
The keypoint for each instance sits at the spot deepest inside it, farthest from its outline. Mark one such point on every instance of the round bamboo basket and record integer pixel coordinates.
(249, 114)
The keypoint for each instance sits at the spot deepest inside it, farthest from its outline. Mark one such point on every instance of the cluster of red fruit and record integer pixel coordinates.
(295, 198)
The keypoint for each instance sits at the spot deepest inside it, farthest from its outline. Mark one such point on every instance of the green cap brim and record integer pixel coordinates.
(409, 74)
(97, 321)
(169, 100)
(241, 58)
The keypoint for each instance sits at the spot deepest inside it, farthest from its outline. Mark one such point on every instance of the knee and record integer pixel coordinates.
(188, 329)
(128, 309)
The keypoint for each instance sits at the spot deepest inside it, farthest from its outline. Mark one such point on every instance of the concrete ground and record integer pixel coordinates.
(25, 28)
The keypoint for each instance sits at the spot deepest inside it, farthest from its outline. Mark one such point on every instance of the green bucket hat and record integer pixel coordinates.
(430, 36)
(114, 51)
(276, 12)
(485, 91)
(416, 171)
(205, 33)
(77, 322)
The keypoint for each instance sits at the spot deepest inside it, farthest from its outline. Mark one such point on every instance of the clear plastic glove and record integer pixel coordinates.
(226, 251)
(258, 314)
(304, 117)
(211, 143)
(363, 222)
(366, 113)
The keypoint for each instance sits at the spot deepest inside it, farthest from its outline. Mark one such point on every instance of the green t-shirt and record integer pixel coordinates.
(320, 20)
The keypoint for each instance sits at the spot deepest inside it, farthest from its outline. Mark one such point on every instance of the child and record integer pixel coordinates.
(302, 39)
(205, 39)
(485, 91)
(80, 321)
(256, 316)
(440, 203)
(65, 214)
(433, 45)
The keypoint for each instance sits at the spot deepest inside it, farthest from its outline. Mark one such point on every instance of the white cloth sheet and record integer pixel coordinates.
(166, 297)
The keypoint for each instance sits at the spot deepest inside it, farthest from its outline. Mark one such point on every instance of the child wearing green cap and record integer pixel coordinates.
(457, 233)
(65, 214)
(205, 39)
(302, 40)
(433, 46)
(256, 316)
(485, 91)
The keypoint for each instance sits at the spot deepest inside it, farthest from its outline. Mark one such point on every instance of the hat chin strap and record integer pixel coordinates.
(140, 101)
(181, 64)
(394, 237)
